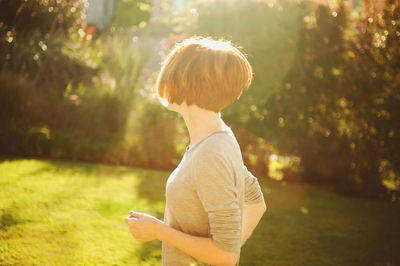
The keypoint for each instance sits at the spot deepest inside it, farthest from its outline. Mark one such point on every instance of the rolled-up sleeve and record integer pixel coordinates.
(215, 185)
(253, 192)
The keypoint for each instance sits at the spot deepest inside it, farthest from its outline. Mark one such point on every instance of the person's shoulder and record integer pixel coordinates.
(221, 144)
(220, 141)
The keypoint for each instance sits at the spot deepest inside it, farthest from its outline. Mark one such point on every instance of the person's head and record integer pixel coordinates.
(208, 73)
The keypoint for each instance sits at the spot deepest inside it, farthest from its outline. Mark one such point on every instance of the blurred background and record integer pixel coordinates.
(82, 131)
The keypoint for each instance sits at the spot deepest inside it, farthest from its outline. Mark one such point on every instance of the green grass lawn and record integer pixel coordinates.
(60, 212)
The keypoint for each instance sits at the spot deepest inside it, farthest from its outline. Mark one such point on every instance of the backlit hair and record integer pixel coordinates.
(203, 71)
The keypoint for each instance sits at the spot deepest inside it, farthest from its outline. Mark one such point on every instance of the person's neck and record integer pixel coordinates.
(201, 123)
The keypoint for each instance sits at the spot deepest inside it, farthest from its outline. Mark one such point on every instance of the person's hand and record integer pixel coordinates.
(143, 226)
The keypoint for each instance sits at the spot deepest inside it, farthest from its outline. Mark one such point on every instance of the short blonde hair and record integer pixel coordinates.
(203, 71)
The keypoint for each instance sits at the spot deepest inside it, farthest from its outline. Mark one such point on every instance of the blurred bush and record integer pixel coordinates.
(21, 128)
(131, 13)
(159, 136)
(33, 36)
(325, 89)
(270, 50)
(268, 34)
(63, 93)
(255, 151)
(336, 107)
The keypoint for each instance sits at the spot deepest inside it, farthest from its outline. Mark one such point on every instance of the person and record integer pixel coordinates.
(213, 202)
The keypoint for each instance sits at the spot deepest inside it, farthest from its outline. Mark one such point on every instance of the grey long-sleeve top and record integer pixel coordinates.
(205, 196)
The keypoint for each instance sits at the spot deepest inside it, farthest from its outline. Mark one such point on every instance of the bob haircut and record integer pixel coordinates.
(203, 71)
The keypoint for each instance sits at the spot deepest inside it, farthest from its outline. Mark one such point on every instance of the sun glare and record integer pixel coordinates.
(164, 102)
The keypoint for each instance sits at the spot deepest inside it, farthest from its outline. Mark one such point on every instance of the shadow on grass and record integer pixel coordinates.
(7, 219)
(152, 185)
(149, 253)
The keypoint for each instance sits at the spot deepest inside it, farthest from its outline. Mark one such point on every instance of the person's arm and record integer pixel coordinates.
(145, 227)
(252, 214)
(202, 248)
(254, 206)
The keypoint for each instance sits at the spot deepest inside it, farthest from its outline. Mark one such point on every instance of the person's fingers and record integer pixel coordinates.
(130, 220)
(136, 214)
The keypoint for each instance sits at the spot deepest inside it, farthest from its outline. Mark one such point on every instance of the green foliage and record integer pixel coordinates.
(157, 135)
(34, 33)
(72, 100)
(302, 114)
(375, 94)
(325, 88)
(131, 13)
(333, 108)
(268, 35)
(47, 17)
(19, 119)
